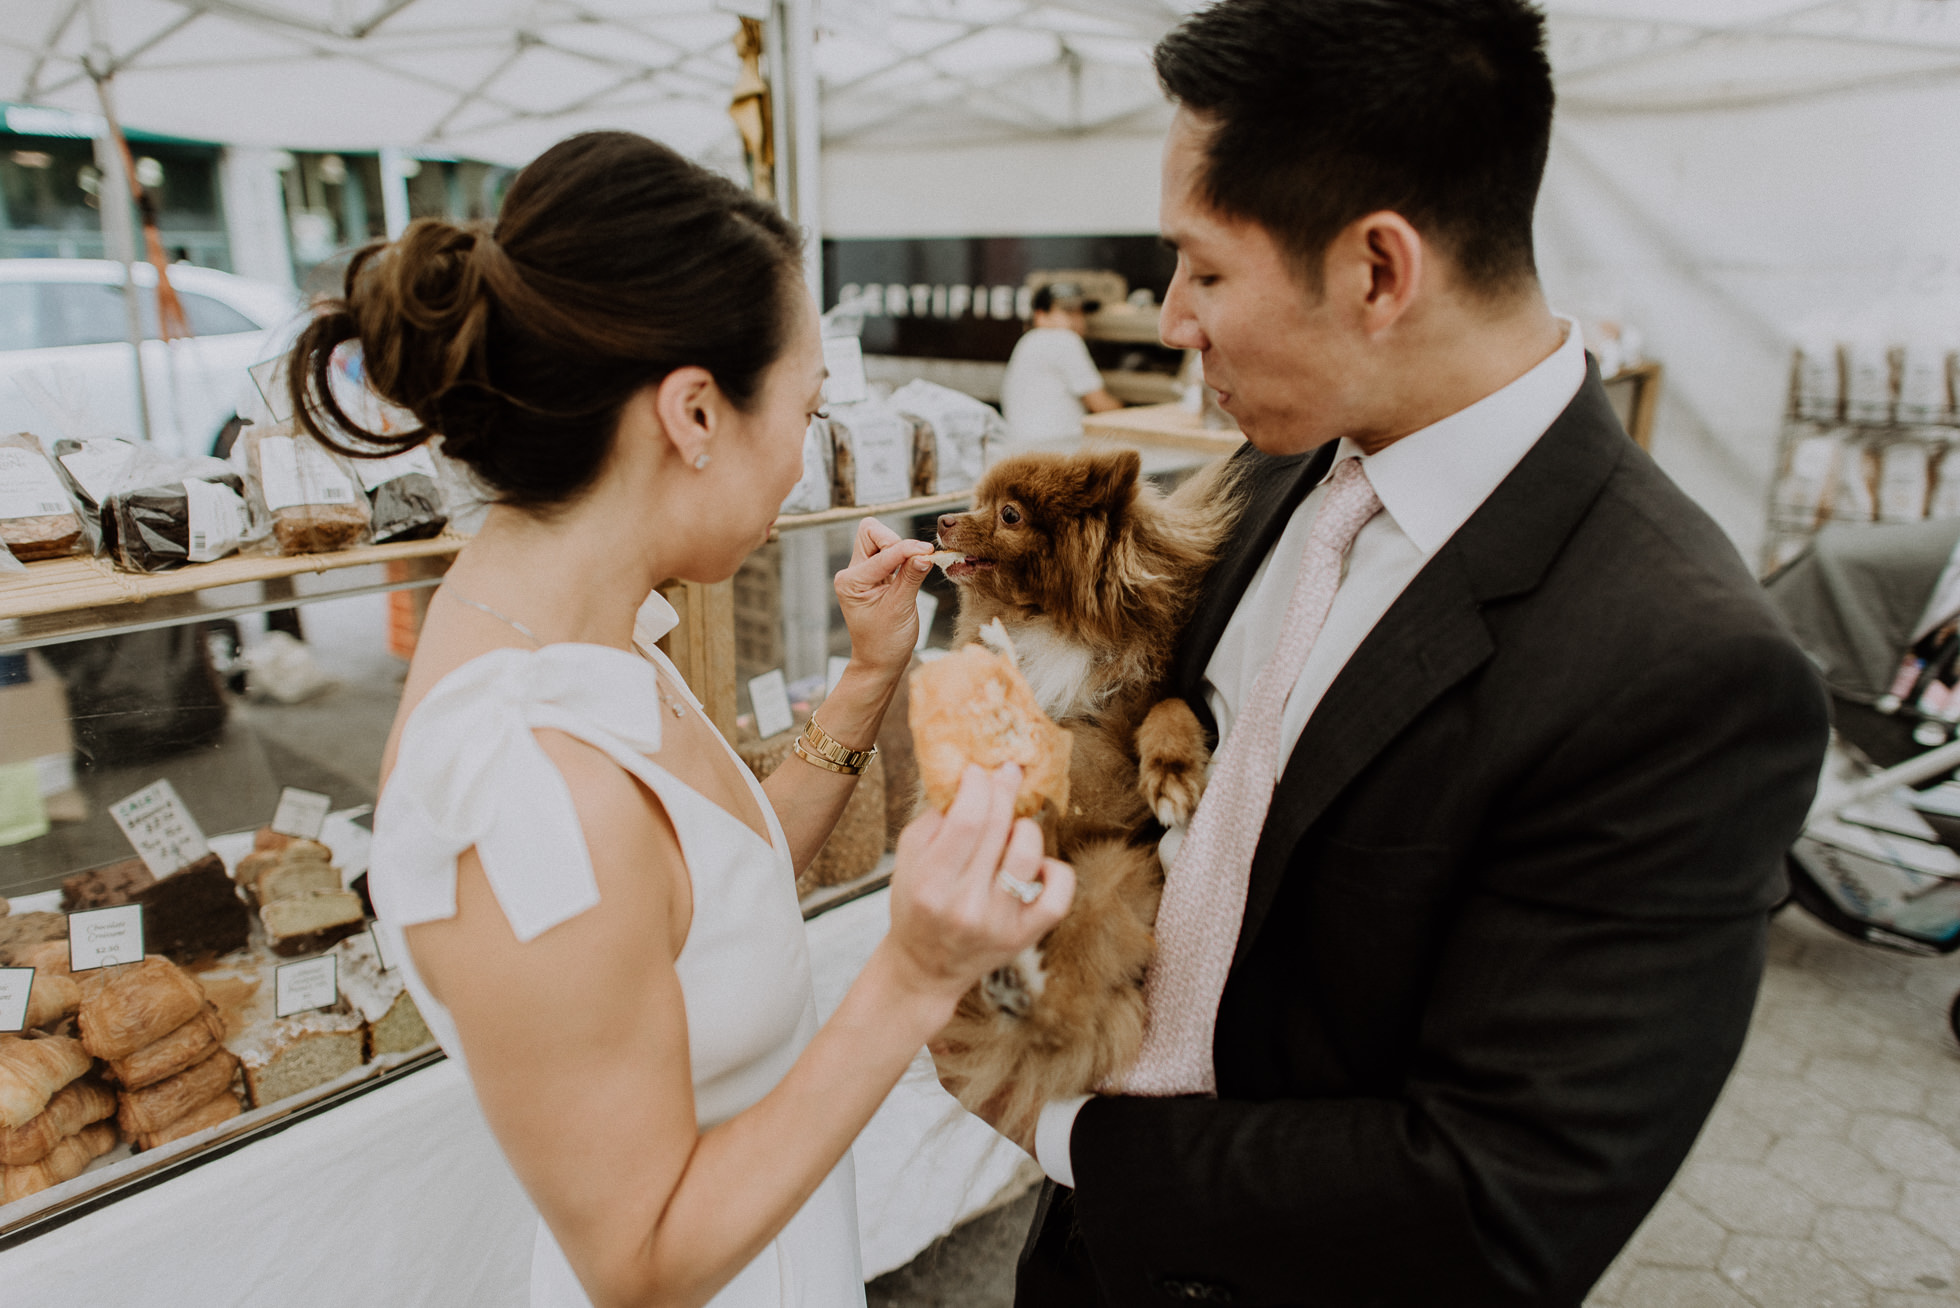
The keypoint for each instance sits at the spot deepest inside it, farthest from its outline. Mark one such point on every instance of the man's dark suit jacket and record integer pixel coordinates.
(1506, 919)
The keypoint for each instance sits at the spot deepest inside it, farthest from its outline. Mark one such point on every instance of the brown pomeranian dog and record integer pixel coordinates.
(1093, 573)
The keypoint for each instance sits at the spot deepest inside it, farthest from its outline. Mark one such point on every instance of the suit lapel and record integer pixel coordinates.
(1273, 488)
(1434, 635)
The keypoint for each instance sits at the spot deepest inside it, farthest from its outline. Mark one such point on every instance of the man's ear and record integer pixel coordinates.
(1379, 262)
(688, 403)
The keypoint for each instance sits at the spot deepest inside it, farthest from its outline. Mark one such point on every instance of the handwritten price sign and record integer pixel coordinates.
(162, 829)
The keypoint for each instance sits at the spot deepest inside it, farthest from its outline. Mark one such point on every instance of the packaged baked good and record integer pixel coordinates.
(405, 495)
(872, 449)
(73, 1107)
(185, 1045)
(153, 1107)
(33, 1071)
(64, 1162)
(93, 470)
(811, 494)
(963, 429)
(290, 1055)
(974, 707)
(38, 520)
(170, 512)
(126, 1008)
(316, 504)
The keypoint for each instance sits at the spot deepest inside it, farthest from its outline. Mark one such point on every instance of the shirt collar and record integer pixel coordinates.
(1432, 480)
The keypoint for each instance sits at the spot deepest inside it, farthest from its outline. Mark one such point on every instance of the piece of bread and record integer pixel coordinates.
(189, 1043)
(125, 1008)
(290, 1055)
(253, 866)
(395, 1025)
(55, 995)
(33, 1072)
(73, 1107)
(49, 958)
(64, 1162)
(105, 887)
(291, 878)
(974, 707)
(23, 931)
(213, 1111)
(153, 1107)
(308, 923)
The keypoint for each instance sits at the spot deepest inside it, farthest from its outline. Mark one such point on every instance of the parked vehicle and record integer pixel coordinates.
(64, 324)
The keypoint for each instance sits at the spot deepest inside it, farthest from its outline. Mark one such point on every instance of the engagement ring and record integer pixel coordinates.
(1025, 891)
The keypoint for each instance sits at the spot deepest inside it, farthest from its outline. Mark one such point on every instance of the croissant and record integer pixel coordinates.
(137, 1005)
(53, 997)
(189, 1043)
(154, 1107)
(77, 1104)
(222, 1109)
(30, 1073)
(63, 1163)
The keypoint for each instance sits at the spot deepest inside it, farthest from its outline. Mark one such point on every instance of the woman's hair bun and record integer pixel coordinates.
(613, 262)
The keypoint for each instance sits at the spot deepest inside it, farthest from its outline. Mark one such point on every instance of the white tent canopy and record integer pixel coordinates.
(1722, 170)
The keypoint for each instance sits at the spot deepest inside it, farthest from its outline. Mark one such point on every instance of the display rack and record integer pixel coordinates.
(1802, 501)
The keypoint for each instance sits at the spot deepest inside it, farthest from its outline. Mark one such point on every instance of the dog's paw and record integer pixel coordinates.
(1171, 759)
(1014, 988)
(1172, 788)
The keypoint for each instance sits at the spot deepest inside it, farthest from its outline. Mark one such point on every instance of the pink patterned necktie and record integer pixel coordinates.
(1205, 888)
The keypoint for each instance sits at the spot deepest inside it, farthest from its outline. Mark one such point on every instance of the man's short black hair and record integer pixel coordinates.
(1324, 111)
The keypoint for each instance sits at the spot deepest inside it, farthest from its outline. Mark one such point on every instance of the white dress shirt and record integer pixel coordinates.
(1429, 483)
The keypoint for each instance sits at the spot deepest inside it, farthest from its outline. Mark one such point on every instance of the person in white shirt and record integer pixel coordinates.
(1051, 380)
(1463, 938)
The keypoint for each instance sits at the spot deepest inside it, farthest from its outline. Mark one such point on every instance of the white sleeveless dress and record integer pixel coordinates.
(469, 772)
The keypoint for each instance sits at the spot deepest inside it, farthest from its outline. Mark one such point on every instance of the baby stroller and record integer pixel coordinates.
(1877, 607)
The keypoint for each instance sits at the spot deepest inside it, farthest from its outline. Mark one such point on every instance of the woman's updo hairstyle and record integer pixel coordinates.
(614, 262)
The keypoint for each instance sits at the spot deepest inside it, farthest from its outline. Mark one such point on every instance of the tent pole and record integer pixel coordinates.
(793, 84)
(394, 192)
(119, 236)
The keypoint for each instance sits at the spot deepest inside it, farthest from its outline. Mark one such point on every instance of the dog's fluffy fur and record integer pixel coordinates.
(1093, 573)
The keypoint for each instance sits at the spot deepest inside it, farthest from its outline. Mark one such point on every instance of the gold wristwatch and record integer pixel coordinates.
(821, 749)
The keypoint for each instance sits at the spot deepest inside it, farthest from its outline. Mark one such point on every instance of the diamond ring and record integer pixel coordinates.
(1025, 891)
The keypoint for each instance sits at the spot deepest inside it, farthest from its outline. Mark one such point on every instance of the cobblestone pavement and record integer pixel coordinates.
(1828, 1177)
(1829, 1174)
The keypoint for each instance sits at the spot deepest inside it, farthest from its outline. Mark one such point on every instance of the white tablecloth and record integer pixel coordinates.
(401, 1197)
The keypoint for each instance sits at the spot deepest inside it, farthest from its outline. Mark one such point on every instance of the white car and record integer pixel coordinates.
(64, 332)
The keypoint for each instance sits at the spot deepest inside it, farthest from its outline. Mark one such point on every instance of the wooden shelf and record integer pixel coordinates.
(76, 598)
(851, 513)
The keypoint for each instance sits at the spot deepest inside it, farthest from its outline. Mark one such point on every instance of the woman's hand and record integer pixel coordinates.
(954, 919)
(879, 596)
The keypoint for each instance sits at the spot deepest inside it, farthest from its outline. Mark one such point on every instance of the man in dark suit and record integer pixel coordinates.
(1501, 925)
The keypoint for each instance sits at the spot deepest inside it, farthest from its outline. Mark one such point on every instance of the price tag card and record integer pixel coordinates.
(836, 672)
(381, 959)
(102, 936)
(844, 357)
(928, 610)
(769, 697)
(162, 829)
(301, 813)
(15, 982)
(304, 986)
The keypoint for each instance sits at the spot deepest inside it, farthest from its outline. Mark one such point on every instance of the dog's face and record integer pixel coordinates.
(1039, 535)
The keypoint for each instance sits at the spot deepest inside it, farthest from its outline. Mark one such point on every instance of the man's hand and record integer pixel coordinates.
(1021, 1133)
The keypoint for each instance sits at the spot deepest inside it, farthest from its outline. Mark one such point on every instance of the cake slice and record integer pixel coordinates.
(395, 1025)
(194, 912)
(291, 1055)
(289, 879)
(308, 923)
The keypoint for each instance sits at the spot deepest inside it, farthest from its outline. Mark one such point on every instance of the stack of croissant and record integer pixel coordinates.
(163, 1043)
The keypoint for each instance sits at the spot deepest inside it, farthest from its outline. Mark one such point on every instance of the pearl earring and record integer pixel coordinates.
(700, 462)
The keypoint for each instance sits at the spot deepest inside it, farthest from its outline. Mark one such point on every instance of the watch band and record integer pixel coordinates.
(819, 747)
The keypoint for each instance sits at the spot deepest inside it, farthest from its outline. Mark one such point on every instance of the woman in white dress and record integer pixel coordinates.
(596, 899)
